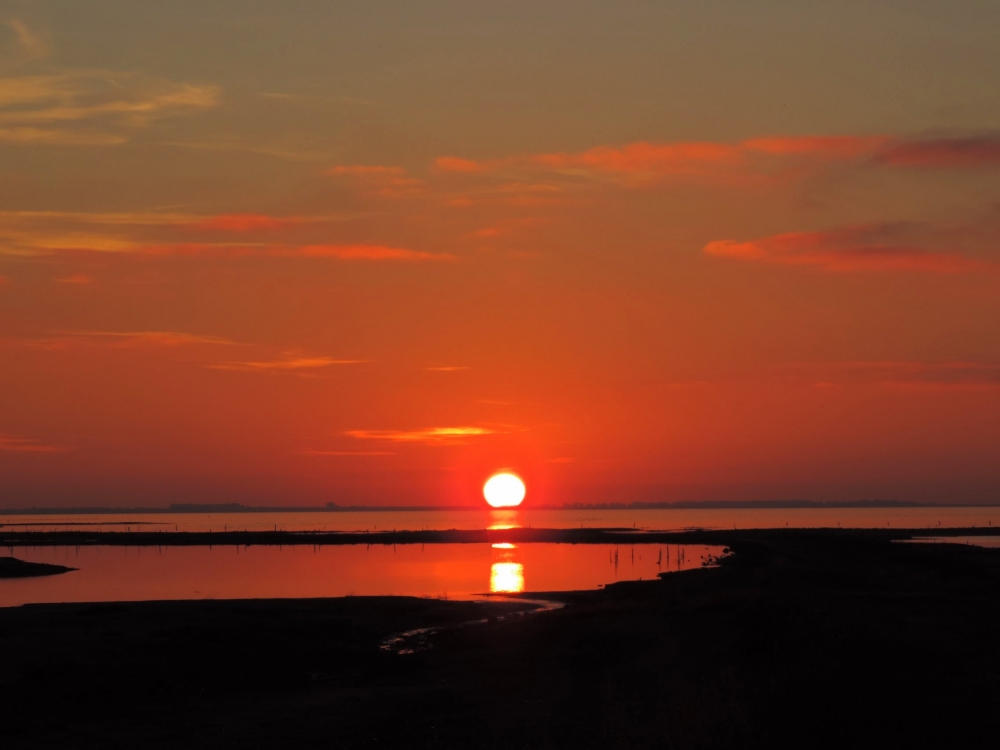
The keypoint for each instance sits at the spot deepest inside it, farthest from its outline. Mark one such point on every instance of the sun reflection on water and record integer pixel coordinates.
(506, 575)
(506, 578)
(504, 519)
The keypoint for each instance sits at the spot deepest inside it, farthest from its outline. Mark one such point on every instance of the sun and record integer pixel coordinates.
(504, 490)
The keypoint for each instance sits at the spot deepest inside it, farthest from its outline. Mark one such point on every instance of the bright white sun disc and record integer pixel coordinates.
(504, 490)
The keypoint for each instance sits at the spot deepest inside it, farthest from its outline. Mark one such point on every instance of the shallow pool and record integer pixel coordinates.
(257, 572)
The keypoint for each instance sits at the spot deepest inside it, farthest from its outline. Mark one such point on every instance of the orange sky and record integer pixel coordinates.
(306, 253)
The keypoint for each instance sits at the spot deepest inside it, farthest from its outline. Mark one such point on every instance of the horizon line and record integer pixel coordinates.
(178, 508)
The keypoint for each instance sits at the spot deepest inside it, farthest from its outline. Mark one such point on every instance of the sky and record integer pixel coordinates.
(369, 253)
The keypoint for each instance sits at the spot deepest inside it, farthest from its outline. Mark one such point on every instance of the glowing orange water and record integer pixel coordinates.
(452, 570)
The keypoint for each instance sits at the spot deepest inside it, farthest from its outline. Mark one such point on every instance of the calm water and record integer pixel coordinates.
(228, 572)
(660, 519)
(453, 570)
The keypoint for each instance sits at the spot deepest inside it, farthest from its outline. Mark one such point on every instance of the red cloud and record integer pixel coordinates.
(695, 158)
(776, 156)
(638, 158)
(645, 162)
(854, 249)
(367, 252)
(390, 182)
(29, 445)
(341, 252)
(981, 151)
(464, 166)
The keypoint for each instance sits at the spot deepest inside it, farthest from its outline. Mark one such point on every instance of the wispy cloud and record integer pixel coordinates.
(466, 166)
(824, 148)
(76, 279)
(366, 252)
(92, 107)
(153, 339)
(29, 445)
(103, 218)
(515, 193)
(312, 452)
(286, 365)
(367, 171)
(248, 222)
(428, 435)
(355, 252)
(945, 375)
(773, 159)
(35, 233)
(868, 248)
(644, 163)
(234, 143)
(59, 137)
(486, 233)
(311, 98)
(505, 228)
(31, 44)
(387, 182)
(202, 350)
(227, 222)
(49, 241)
(954, 153)
(126, 98)
(447, 368)
(46, 233)
(157, 338)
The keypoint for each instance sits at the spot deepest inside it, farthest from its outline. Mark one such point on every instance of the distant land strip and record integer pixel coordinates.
(457, 536)
(335, 508)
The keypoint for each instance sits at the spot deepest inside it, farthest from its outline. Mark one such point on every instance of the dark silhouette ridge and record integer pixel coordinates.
(11, 567)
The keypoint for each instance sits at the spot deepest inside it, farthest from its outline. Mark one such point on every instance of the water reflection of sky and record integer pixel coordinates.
(229, 572)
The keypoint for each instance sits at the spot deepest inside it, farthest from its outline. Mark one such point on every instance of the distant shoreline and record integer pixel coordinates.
(521, 535)
(184, 508)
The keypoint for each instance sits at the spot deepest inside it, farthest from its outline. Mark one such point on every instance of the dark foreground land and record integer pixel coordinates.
(799, 640)
(11, 567)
